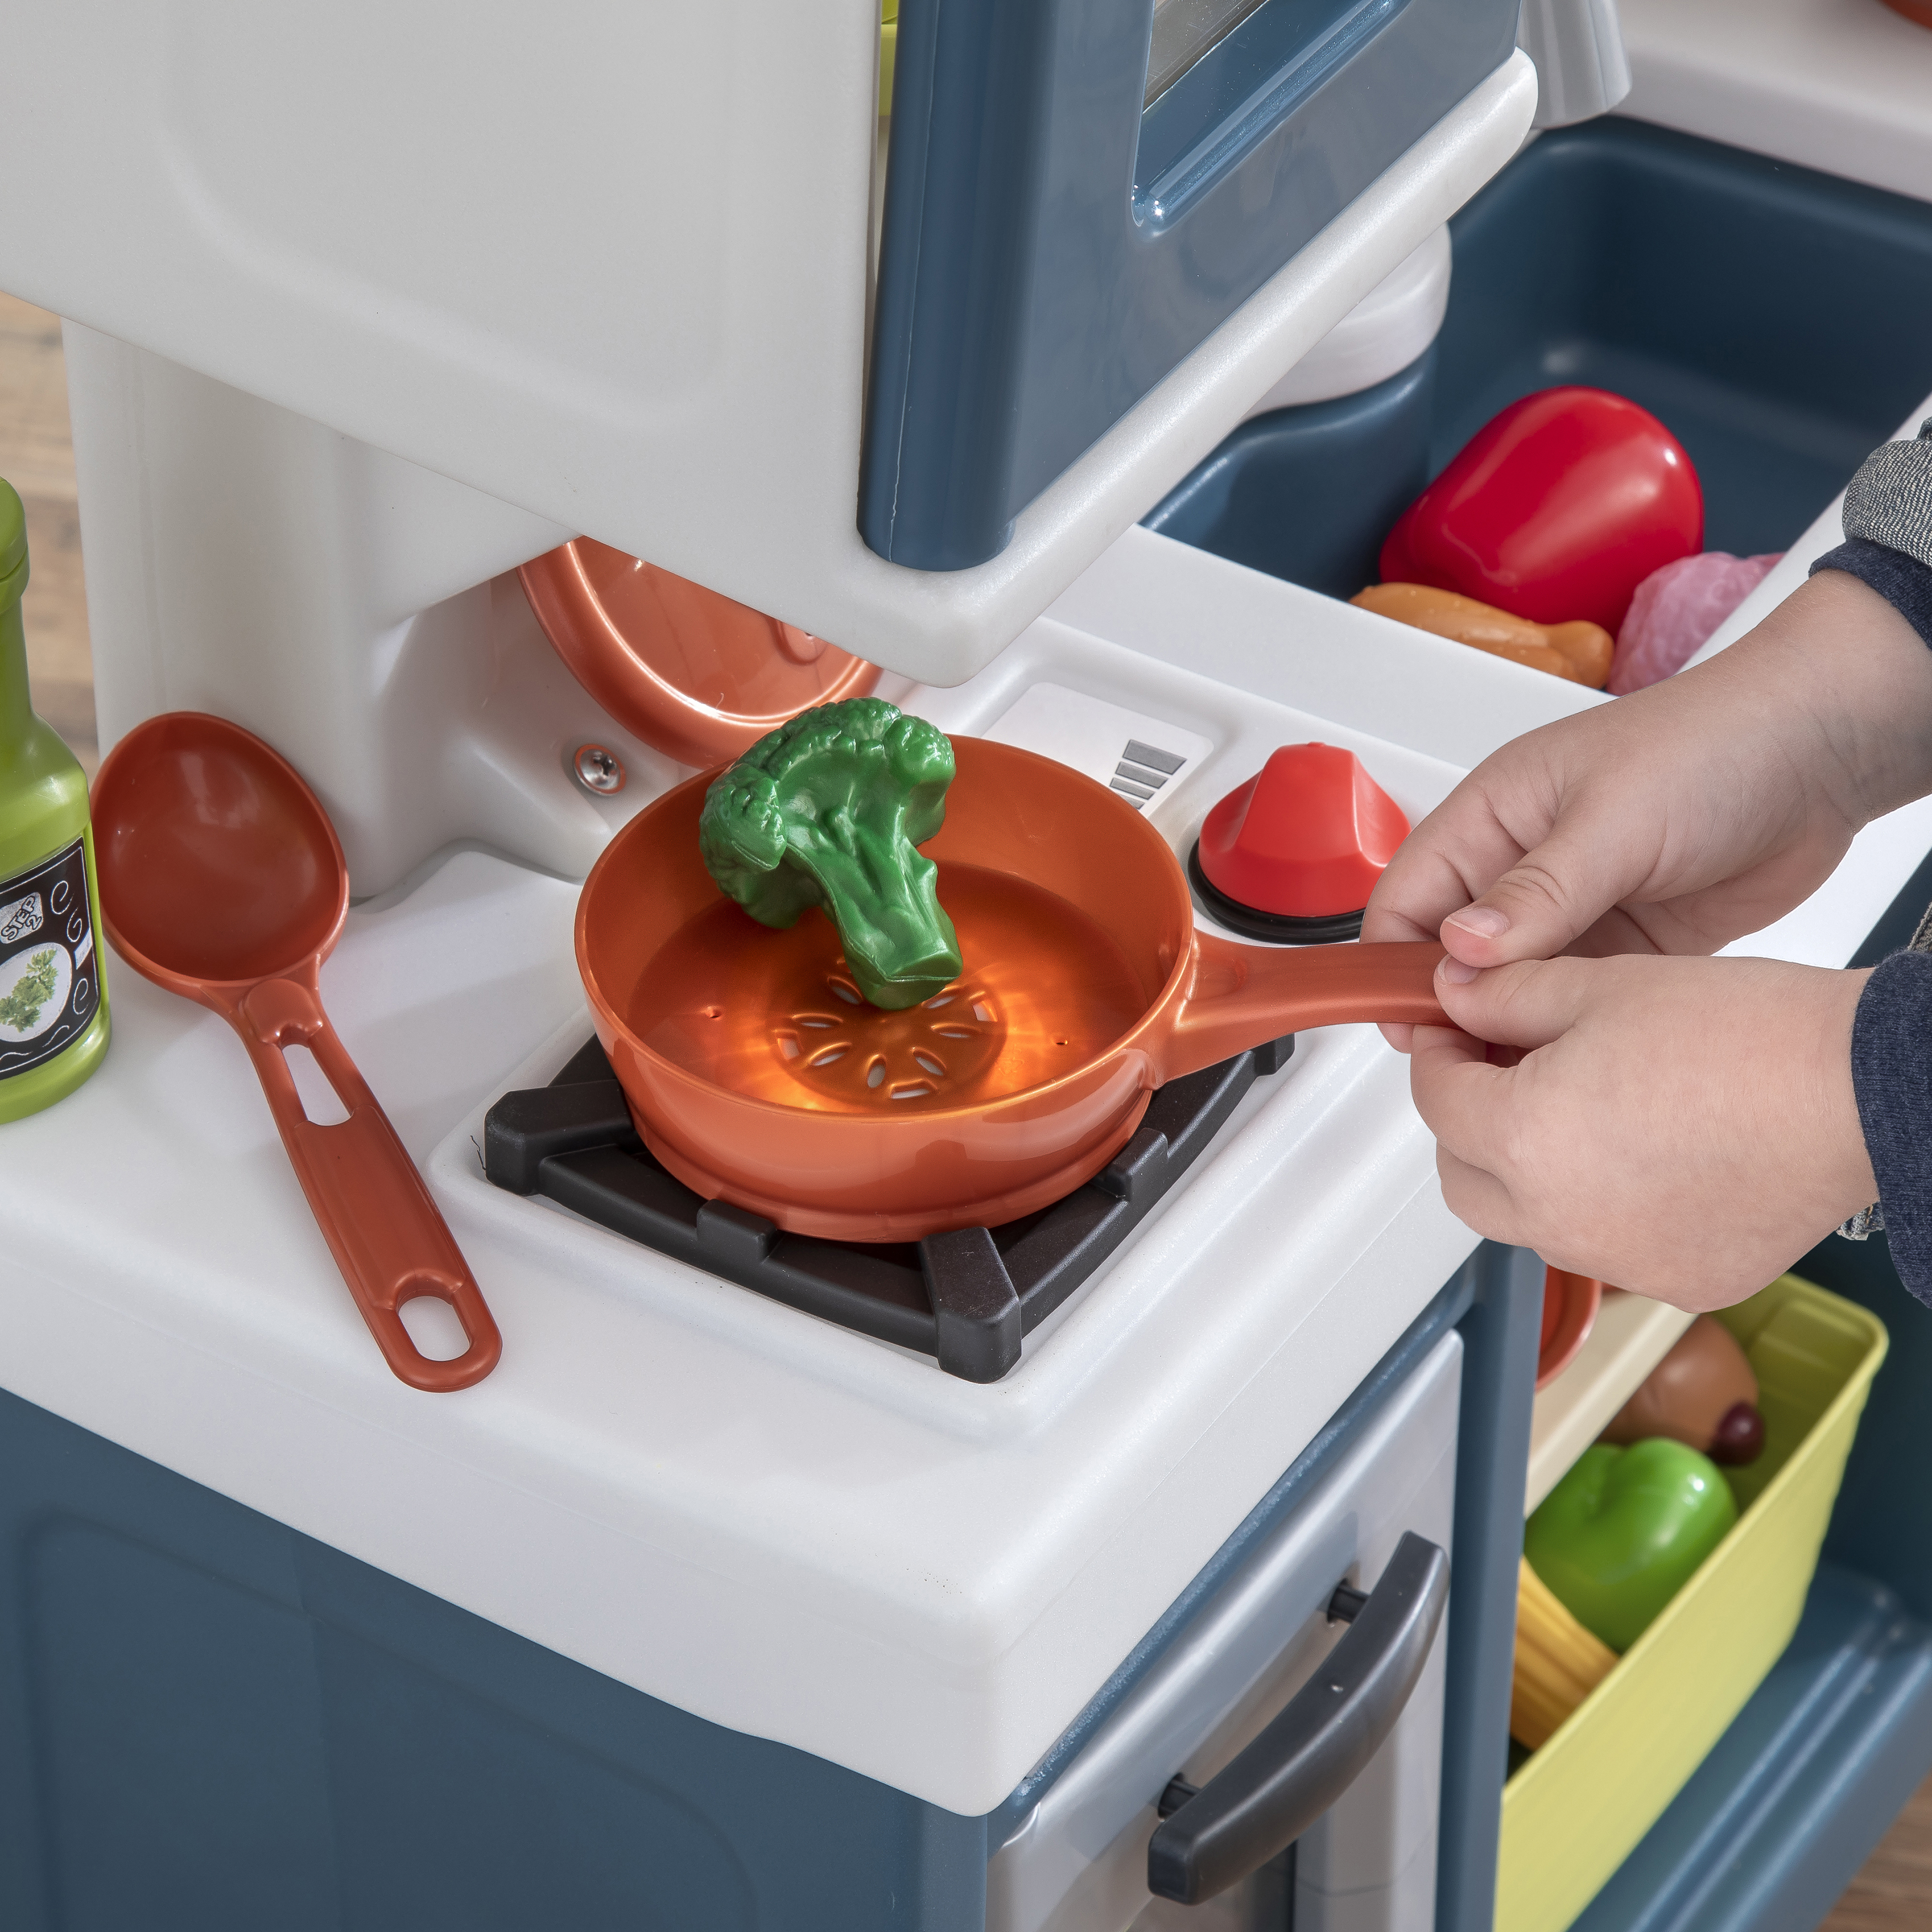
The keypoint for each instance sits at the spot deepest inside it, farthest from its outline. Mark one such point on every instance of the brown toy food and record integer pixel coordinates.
(1579, 651)
(1702, 1393)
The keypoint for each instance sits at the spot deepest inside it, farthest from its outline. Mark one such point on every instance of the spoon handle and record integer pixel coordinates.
(388, 1236)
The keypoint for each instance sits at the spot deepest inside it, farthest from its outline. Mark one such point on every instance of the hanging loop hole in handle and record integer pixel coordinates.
(483, 1344)
(1311, 1752)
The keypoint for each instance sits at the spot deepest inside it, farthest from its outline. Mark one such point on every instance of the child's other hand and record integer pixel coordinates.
(1681, 817)
(1683, 1127)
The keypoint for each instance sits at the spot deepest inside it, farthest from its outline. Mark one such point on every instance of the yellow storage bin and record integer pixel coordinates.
(1578, 1806)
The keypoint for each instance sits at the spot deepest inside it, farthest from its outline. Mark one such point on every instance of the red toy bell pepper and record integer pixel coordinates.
(1556, 509)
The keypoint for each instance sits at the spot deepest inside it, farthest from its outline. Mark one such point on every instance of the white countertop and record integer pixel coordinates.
(1842, 86)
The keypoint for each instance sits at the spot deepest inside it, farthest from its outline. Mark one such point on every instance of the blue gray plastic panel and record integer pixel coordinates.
(1051, 250)
(210, 1723)
(1502, 1332)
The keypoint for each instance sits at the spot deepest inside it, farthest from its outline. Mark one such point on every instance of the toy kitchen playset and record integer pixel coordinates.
(591, 1412)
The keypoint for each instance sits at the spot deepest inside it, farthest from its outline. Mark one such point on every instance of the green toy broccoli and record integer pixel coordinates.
(827, 810)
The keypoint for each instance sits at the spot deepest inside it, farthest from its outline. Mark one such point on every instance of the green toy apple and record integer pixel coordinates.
(1620, 1535)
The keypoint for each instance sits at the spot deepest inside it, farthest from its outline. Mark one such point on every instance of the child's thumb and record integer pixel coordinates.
(1549, 897)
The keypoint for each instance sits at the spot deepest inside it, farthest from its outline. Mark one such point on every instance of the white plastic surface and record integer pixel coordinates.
(1380, 336)
(1843, 85)
(1112, 745)
(612, 270)
(1078, 1862)
(779, 1524)
(1582, 70)
(337, 602)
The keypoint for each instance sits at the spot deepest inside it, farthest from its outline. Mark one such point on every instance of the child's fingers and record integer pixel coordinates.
(1457, 850)
(1464, 1101)
(1547, 898)
(1455, 1090)
(1526, 1005)
(1478, 1199)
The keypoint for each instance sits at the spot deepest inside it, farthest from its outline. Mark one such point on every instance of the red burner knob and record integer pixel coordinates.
(1293, 854)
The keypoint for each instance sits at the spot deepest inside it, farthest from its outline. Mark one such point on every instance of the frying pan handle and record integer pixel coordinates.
(388, 1237)
(1244, 994)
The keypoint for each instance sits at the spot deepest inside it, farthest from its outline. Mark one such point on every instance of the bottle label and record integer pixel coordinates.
(49, 970)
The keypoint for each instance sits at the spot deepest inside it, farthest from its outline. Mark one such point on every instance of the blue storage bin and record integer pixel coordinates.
(1774, 318)
(1308, 493)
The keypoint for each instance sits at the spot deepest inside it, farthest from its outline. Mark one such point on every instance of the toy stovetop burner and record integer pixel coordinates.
(1075, 925)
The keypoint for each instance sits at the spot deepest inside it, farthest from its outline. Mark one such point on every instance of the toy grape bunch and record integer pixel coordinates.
(829, 811)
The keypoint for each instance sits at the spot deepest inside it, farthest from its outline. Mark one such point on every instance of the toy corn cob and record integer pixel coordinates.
(1558, 1662)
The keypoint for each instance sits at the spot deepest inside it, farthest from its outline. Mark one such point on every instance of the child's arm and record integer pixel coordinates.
(1686, 1127)
(1683, 817)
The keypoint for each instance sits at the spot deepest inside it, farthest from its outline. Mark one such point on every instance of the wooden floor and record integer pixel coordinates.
(1893, 1893)
(37, 458)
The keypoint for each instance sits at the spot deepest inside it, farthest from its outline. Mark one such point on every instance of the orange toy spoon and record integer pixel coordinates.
(222, 879)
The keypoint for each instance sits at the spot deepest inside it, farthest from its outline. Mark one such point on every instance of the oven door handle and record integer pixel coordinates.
(1314, 1748)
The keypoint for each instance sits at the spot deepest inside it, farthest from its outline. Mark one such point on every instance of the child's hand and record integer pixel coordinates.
(1683, 1127)
(1679, 818)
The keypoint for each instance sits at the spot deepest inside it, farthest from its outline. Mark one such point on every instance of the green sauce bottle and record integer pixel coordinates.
(53, 1000)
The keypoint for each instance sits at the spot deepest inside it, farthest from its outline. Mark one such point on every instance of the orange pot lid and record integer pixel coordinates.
(1570, 1306)
(695, 674)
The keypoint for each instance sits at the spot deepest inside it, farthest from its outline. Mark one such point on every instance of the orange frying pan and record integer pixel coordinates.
(755, 1073)
(698, 676)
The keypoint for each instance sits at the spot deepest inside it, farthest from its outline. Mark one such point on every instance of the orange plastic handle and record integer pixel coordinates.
(1243, 995)
(388, 1236)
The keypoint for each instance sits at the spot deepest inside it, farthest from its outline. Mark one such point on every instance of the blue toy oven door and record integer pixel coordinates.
(1079, 192)
(1339, 1604)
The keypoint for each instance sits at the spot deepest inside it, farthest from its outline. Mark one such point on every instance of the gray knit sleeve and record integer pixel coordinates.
(1889, 501)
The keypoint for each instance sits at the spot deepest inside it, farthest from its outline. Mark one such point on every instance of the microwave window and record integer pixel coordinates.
(1184, 30)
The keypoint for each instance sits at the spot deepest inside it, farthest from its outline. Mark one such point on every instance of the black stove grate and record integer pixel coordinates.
(965, 1298)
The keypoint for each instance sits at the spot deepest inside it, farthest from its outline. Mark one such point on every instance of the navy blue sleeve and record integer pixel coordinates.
(1901, 580)
(1887, 547)
(1892, 1075)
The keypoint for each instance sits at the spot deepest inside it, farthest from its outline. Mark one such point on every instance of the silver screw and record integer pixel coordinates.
(597, 770)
